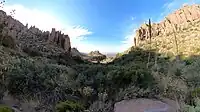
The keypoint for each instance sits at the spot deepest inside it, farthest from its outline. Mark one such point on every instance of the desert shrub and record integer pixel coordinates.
(175, 68)
(87, 91)
(188, 62)
(195, 92)
(134, 92)
(125, 70)
(78, 59)
(192, 96)
(170, 80)
(91, 80)
(196, 108)
(135, 74)
(69, 106)
(5, 109)
(118, 77)
(8, 41)
(191, 73)
(100, 106)
(171, 87)
(86, 94)
(32, 52)
(34, 79)
(111, 78)
(118, 55)
(93, 76)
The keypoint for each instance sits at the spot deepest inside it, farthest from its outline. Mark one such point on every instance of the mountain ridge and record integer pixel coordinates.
(177, 20)
(180, 27)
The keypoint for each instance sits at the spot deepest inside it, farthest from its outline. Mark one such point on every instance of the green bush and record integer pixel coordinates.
(196, 108)
(196, 92)
(191, 73)
(100, 106)
(30, 78)
(118, 55)
(5, 109)
(133, 92)
(69, 106)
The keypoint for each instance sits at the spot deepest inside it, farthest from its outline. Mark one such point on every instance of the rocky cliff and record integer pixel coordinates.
(60, 39)
(176, 21)
(18, 36)
(181, 27)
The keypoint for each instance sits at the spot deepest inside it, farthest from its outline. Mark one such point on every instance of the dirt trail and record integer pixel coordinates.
(146, 105)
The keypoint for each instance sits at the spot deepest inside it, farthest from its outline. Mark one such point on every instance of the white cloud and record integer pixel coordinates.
(133, 18)
(46, 21)
(86, 47)
(77, 32)
(128, 40)
(35, 17)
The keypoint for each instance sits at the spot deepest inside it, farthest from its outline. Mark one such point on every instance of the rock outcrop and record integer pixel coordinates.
(173, 22)
(177, 34)
(96, 56)
(95, 53)
(15, 35)
(60, 39)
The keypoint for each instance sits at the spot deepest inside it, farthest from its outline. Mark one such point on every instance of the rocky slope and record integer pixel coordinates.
(16, 35)
(75, 52)
(178, 20)
(181, 27)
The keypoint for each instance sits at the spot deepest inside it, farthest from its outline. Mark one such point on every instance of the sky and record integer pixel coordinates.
(105, 25)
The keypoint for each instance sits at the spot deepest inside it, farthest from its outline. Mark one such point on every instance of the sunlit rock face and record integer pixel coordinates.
(175, 21)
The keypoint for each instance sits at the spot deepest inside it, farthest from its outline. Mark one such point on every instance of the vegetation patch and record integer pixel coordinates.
(4, 108)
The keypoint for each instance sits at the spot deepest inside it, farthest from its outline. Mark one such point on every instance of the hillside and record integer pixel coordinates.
(40, 72)
(181, 27)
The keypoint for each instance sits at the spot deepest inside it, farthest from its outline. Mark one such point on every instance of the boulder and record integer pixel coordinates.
(146, 105)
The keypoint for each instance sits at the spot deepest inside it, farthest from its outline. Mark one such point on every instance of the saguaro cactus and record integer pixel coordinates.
(175, 38)
(149, 28)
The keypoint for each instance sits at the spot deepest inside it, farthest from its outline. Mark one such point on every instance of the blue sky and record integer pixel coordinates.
(105, 25)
